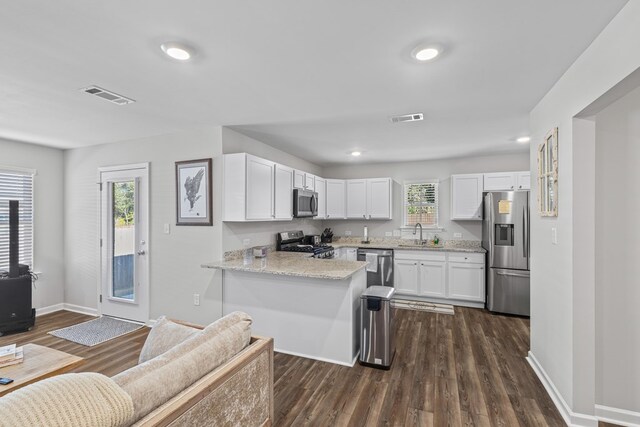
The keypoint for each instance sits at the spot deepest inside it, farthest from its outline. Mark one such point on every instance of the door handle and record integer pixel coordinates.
(141, 252)
(502, 273)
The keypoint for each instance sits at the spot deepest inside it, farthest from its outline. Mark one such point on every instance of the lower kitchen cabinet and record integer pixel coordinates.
(442, 276)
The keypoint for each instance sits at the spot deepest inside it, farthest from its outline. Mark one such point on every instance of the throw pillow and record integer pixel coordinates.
(164, 335)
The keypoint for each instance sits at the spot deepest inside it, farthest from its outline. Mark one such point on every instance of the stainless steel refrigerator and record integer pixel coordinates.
(505, 236)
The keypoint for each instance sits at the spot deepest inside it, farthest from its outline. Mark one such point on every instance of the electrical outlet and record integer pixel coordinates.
(388, 234)
(167, 229)
(554, 235)
(397, 233)
(457, 235)
(196, 299)
(246, 242)
(347, 233)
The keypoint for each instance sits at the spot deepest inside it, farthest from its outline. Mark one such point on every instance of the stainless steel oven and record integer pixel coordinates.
(305, 203)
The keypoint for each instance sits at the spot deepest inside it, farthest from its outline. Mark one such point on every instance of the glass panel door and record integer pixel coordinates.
(123, 234)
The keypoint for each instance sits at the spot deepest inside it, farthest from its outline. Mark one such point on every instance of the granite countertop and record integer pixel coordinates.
(293, 264)
(466, 246)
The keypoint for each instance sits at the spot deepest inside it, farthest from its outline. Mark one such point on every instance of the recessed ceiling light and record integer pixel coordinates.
(177, 51)
(424, 53)
(523, 139)
(355, 153)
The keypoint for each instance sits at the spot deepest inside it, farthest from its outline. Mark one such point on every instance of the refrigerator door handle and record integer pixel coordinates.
(525, 232)
(503, 273)
(490, 228)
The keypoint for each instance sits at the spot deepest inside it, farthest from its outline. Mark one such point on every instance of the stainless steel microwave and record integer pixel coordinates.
(305, 203)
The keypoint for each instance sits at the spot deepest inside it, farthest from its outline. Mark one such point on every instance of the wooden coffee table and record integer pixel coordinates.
(39, 363)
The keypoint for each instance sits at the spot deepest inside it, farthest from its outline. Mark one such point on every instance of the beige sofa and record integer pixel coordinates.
(238, 391)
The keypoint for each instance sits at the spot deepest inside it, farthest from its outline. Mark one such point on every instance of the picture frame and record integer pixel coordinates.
(548, 175)
(194, 201)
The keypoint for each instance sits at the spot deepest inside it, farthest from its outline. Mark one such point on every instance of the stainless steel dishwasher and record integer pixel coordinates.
(380, 272)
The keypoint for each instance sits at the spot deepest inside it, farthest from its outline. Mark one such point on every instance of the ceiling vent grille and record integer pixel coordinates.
(415, 117)
(108, 95)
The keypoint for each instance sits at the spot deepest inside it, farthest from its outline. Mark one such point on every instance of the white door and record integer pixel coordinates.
(357, 198)
(260, 179)
(466, 281)
(432, 278)
(379, 198)
(466, 197)
(283, 192)
(124, 242)
(523, 180)
(321, 189)
(298, 180)
(501, 181)
(405, 276)
(335, 199)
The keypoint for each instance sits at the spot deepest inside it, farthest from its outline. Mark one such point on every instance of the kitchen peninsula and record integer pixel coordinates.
(311, 307)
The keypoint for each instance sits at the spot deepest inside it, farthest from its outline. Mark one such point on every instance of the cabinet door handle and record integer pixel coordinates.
(520, 186)
(364, 216)
(512, 187)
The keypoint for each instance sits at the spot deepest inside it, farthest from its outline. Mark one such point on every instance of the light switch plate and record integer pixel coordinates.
(196, 299)
(397, 233)
(388, 234)
(167, 229)
(246, 242)
(347, 233)
(457, 235)
(554, 235)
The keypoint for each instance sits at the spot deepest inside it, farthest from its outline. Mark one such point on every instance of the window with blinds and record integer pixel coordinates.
(18, 186)
(421, 204)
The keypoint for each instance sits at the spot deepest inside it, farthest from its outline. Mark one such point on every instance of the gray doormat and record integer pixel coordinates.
(422, 306)
(96, 331)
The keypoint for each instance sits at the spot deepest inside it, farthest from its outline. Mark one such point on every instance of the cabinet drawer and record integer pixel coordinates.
(469, 258)
(420, 255)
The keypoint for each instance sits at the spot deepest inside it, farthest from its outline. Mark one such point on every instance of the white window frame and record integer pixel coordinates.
(33, 173)
(405, 205)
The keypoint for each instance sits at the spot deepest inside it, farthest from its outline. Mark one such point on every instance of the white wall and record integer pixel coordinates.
(48, 215)
(617, 254)
(433, 169)
(263, 233)
(175, 273)
(562, 282)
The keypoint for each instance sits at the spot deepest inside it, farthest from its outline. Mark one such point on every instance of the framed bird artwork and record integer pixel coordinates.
(193, 192)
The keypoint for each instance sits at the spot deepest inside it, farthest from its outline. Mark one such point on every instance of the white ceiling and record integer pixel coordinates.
(314, 78)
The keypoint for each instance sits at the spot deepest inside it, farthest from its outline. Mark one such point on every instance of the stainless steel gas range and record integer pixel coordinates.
(293, 241)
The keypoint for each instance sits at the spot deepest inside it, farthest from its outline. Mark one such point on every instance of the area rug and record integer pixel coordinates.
(422, 306)
(96, 331)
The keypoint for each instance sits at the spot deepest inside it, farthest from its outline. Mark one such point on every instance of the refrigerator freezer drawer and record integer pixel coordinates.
(508, 291)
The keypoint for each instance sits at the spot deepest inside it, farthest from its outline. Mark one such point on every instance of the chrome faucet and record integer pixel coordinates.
(415, 229)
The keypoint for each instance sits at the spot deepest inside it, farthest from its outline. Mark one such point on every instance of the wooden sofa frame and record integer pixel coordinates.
(215, 381)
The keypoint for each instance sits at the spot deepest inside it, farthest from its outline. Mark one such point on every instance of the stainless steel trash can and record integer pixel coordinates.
(377, 344)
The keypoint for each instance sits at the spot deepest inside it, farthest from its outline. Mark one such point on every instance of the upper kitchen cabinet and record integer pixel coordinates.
(336, 199)
(283, 189)
(321, 189)
(379, 198)
(369, 198)
(304, 180)
(466, 197)
(256, 189)
(507, 181)
(357, 198)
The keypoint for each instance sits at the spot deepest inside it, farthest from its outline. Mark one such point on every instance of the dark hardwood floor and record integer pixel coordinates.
(466, 369)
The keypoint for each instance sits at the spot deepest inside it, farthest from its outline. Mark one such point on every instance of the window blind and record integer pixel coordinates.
(16, 185)
(421, 204)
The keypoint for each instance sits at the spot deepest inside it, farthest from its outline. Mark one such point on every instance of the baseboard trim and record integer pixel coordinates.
(621, 417)
(570, 417)
(49, 309)
(68, 307)
(321, 359)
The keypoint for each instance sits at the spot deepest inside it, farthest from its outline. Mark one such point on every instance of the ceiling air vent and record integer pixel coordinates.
(415, 117)
(108, 95)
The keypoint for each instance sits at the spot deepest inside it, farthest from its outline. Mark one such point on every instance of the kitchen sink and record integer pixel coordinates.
(418, 244)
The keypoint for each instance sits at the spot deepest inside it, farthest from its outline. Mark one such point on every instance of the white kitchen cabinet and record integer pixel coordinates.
(298, 179)
(523, 180)
(357, 198)
(336, 199)
(405, 276)
(507, 181)
(433, 278)
(351, 254)
(283, 189)
(466, 197)
(379, 199)
(309, 182)
(260, 188)
(321, 189)
(500, 181)
(466, 277)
